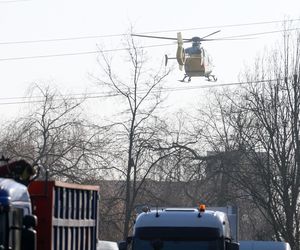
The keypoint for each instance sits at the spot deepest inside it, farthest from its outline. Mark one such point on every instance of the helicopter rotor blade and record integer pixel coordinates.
(157, 37)
(211, 34)
(201, 39)
(188, 40)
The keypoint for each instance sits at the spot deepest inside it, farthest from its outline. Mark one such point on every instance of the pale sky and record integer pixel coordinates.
(26, 58)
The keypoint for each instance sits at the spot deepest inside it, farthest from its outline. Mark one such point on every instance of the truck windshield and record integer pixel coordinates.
(176, 245)
(164, 238)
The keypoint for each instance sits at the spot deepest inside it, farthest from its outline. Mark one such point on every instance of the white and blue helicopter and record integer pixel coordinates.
(195, 60)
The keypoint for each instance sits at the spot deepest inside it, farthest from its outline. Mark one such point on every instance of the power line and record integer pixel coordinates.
(13, 1)
(247, 36)
(78, 53)
(222, 26)
(98, 95)
(58, 99)
(60, 39)
(148, 32)
(259, 33)
(140, 47)
(51, 55)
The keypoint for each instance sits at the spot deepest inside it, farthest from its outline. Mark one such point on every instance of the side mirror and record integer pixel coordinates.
(30, 221)
(29, 237)
(232, 246)
(124, 244)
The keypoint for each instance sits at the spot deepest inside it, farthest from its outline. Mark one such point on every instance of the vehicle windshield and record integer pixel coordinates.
(177, 239)
(176, 245)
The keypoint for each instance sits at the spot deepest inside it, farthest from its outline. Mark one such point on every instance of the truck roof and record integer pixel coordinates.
(18, 193)
(184, 217)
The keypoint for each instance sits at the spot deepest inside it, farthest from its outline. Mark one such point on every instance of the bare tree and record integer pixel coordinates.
(56, 136)
(139, 130)
(260, 129)
(186, 167)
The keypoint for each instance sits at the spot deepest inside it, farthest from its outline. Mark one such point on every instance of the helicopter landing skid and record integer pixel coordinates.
(189, 78)
(211, 78)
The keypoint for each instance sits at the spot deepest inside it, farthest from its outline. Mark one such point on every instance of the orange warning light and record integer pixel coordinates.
(201, 208)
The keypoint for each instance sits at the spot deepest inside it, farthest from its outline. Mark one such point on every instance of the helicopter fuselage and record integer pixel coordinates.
(194, 60)
(197, 63)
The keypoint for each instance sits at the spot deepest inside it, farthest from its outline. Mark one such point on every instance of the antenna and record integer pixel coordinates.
(157, 214)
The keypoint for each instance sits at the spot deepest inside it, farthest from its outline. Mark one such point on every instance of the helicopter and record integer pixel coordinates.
(195, 60)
